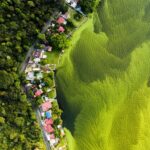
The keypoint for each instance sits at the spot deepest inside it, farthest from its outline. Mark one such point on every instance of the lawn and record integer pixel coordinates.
(72, 12)
(52, 57)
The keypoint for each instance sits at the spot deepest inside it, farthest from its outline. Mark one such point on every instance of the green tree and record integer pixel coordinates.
(2, 120)
(19, 121)
(49, 82)
(31, 3)
(88, 6)
(6, 79)
(59, 41)
(41, 37)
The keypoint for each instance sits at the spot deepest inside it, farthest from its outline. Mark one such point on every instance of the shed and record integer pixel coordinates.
(39, 75)
(48, 115)
(38, 93)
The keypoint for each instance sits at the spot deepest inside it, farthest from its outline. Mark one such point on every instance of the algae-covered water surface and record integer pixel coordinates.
(102, 80)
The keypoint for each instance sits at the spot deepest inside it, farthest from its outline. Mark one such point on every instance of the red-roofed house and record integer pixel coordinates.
(61, 20)
(49, 128)
(38, 93)
(48, 121)
(46, 106)
(61, 29)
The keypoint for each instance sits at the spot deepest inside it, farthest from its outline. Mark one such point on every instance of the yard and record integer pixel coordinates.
(52, 57)
(72, 14)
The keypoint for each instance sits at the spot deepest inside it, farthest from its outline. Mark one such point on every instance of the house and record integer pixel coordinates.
(48, 128)
(37, 54)
(73, 4)
(46, 106)
(30, 76)
(61, 29)
(48, 114)
(61, 20)
(38, 93)
(48, 121)
(37, 60)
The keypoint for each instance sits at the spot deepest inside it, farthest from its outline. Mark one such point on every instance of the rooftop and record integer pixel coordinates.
(46, 106)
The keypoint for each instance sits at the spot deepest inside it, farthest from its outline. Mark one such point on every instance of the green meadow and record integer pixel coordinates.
(102, 79)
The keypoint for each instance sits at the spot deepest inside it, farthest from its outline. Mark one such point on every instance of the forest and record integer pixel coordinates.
(21, 22)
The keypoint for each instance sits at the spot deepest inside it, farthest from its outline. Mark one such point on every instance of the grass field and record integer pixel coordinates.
(102, 79)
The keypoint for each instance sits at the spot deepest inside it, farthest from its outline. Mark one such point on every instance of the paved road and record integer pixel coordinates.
(38, 116)
(22, 69)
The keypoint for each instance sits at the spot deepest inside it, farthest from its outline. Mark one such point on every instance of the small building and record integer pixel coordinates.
(61, 20)
(61, 29)
(37, 60)
(47, 136)
(42, 114)
(38, 93)
(66, 15)
(44, 56)
(49, 48)
(62, 132)
(68, 1)
(48, 114)
(52, 136)
(46, 106)
(36, 69)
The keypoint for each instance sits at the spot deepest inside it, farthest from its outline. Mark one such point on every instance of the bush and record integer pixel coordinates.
(77, 17)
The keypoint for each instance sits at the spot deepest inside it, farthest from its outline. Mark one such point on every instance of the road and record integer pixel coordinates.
(23, 67)
(38, 116)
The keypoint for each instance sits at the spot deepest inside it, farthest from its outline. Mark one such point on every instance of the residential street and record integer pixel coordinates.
(39, 121)
(23, 67)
